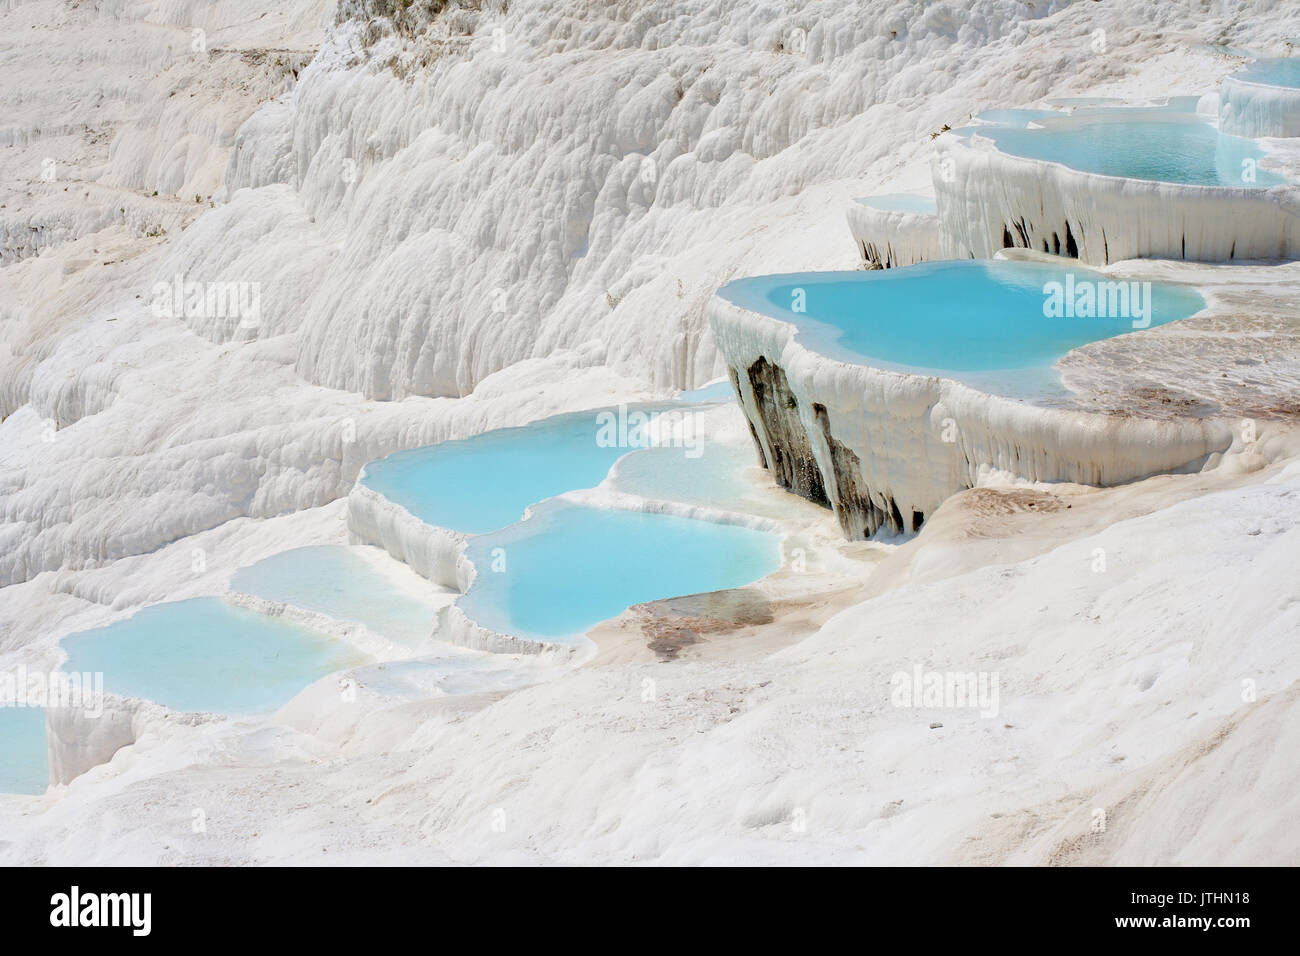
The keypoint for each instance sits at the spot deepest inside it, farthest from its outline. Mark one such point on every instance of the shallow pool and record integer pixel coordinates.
(1015, 117)
(342, 584)
(1158, 147)
(24, 759)
(709, 394)
(716, 478)
(203, 654)
(1073, 102)
(1280, 72)
(901, 202)
(957, 316)
(569, 567)
(1095, 105)
(484, 483)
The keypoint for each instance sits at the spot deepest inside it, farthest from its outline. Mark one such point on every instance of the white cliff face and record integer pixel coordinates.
(487, 171)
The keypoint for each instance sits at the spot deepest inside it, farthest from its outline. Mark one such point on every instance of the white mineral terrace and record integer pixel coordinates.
(1262, 100)
(712, 495)
(439, 220)
(888, 235)
(989, 200)
(921, 439)
(1134, 405)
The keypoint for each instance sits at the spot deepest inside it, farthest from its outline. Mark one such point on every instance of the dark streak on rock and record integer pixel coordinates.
(794, 466)
(858, 515)
(1024, 231)
(861, 513)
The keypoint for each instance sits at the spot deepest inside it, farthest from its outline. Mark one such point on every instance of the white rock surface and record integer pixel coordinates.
(888, 238)
(521, 169)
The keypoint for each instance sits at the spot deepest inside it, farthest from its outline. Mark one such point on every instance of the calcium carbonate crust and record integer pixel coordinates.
(916, 440)
(440, 554)
(1253, 109)
(989, 200)
(887, 238)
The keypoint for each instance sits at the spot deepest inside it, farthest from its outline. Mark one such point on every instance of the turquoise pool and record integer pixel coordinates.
(716, 478)
(1262, 99)
(569, 567)
(24, 759)
(943, 317)
(1015, 117)
(901, 202)
(1091, 102)
(341, 584)
(484, 483)
(203, 654)
(1279, 72)
(1153, 148)
(709, 394)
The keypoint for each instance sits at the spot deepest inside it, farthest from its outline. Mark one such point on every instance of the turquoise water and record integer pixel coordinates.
(941, 317)
(1086, 105)
(24, 760)
(206, 655)
(1281, 72)
(484, 483)
(709, 394)
(568, 567)
(341, 584)
(1015, 117)
(1182, 104)
(1113, 102)
(715, 478)
(1161, 150)
(901, 202)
